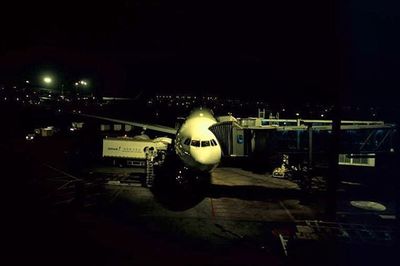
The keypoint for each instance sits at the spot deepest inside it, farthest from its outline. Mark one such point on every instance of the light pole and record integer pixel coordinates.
(50, 83)
(83, 84)
(47, 83)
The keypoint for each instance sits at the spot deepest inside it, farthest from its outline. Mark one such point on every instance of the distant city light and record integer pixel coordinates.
(29, 137)
(297, 114)
(27, 81)
(322, 115)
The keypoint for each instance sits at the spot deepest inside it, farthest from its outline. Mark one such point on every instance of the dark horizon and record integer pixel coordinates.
(281, 51)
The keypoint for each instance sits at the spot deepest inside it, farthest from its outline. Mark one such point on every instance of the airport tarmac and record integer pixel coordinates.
(236, 217)
(236, 195)
(223, 227)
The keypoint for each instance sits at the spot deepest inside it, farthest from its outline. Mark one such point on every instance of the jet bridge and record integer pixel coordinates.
(248, 136)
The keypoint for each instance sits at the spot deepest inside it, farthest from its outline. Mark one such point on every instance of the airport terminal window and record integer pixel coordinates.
(205, 143)
(196, 143)
(214, 143)
(187, 141)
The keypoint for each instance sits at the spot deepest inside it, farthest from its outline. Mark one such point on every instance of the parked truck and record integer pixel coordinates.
(133, 151)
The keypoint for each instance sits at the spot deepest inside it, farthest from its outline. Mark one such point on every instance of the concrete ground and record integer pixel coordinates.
(239, 212)
(235, 221)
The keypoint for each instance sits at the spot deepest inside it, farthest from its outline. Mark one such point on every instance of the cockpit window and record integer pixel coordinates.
(205, 143)
(213, 142)
(195, 143)
(187, 141)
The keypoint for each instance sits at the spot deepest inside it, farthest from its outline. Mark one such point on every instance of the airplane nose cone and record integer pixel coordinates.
(207, 157)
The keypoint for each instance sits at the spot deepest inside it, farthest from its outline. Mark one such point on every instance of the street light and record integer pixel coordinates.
(47, 80)
(80, 85)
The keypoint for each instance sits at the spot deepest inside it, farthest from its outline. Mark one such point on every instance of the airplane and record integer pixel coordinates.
(197, 151)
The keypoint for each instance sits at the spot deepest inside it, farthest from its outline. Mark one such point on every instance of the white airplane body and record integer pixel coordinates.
(195, 144)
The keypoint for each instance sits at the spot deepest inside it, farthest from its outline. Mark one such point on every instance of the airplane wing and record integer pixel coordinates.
(159, 128)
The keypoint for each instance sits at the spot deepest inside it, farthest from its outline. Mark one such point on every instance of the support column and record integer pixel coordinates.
(333, 176)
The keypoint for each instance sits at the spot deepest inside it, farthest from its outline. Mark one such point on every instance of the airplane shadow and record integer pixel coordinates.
(180, 201)
(183, 196)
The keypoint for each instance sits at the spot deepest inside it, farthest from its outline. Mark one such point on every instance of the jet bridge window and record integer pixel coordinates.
(187, 141)
(205, 143)
(195, 143)
(213, 142)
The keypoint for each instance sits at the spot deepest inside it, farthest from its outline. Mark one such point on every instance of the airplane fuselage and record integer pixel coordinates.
(195, 144)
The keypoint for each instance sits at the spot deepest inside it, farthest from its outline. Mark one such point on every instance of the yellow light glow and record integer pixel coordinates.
(47, 80)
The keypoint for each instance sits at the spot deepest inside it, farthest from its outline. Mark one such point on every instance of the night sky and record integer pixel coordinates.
(299, 49)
